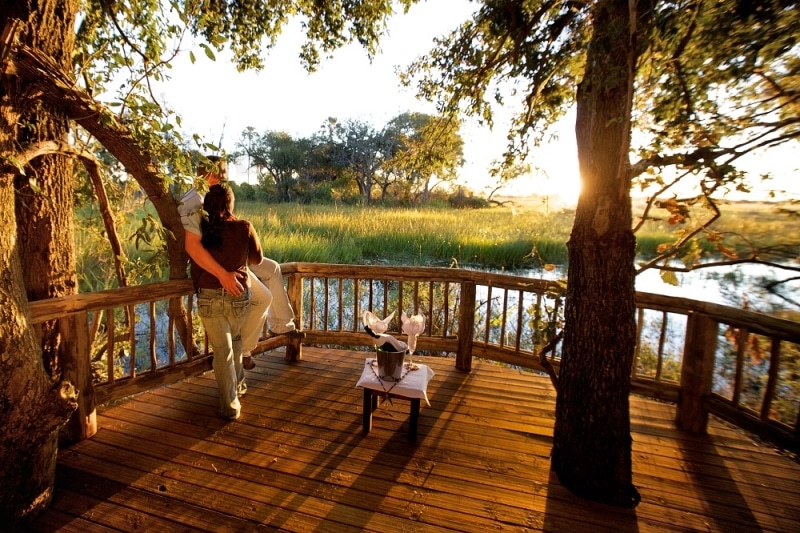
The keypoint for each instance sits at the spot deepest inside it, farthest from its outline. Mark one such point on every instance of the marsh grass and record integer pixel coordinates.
(743, 226)
(526, 236)
(493, 238)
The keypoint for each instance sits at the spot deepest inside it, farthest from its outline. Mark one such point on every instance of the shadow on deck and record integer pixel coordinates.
(297, 461)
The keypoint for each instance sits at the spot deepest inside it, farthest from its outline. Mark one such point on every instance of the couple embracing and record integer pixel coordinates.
(237, 288)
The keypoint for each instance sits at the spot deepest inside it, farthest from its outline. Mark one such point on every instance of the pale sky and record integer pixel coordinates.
(218, 103)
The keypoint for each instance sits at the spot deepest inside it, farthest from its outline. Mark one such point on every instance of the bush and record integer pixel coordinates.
(465, 200)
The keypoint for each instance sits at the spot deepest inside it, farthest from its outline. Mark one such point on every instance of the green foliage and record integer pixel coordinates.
(404, 162)
(144, 248)
(511, 52)
(243, 192)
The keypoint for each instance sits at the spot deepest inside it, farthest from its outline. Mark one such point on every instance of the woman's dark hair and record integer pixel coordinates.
(218, 205)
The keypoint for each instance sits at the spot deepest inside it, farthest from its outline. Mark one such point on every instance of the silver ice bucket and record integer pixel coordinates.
(390, 364)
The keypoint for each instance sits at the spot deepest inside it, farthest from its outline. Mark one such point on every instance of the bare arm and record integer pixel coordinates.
(229, 280)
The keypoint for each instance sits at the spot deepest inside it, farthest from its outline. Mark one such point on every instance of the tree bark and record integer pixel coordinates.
(592, 441)
(60, 91)
(35, 224)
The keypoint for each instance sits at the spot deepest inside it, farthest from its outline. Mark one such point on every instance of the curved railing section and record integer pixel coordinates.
(706, 358)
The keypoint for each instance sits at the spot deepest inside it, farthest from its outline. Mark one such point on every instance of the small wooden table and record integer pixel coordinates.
(412, 387)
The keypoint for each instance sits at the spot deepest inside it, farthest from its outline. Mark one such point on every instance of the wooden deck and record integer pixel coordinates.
(297, 461)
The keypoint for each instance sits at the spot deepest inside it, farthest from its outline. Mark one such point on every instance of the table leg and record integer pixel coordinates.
(412, 423)
(368, 408)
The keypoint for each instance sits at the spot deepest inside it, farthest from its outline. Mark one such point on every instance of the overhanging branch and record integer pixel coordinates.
(60, 92)
(92, 167)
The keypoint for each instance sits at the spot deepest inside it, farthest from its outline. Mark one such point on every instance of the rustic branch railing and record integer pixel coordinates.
(706, 358)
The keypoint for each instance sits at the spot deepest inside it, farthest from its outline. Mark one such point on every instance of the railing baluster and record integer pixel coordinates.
(151, 345)
(537, 335)
(385, 298)
(446, 305)
(312, 303)
(325, 311)
(188, 344)
(399, 304)
(662, 338)
(638, 349)
(356, 301)
(131, 315)
(429, 318)
(415, 297)
(110, 344)
(504, 311)
(772, 379)
(171, 339)
(488, 313)
(741, 340)
(520, 309)
(341, 301)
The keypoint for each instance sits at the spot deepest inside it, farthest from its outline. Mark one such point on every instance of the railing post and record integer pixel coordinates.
(696, 373)
(76, 364)
(466, 326)
(294, 350)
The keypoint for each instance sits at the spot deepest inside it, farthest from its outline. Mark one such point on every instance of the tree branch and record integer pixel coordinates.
(92, 167)
(60, 92)
(549, 347)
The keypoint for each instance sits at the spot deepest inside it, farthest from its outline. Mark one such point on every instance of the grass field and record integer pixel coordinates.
(521, 234)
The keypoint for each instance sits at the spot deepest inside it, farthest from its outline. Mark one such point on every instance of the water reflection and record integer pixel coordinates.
(741, 286)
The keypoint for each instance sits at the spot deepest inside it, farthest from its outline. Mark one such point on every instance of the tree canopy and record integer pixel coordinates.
(402, 160)
(715, 82)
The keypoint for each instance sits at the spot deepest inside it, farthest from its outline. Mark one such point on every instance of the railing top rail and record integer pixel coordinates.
(53, 308)
(419, 273)
(758, 323)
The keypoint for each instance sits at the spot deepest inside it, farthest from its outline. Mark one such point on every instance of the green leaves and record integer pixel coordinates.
(208, 51)
(669, 277)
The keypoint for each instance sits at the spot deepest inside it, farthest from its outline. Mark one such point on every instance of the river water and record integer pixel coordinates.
(736, 286)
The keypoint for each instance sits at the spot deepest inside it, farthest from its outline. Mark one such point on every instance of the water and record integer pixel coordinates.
(737, 286)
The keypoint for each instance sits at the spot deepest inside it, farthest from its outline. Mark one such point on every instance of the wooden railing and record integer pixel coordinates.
(706, 358)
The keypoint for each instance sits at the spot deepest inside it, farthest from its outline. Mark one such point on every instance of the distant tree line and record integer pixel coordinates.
(412, 157)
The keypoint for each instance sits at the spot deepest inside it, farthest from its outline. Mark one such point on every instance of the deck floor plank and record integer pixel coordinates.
(297, 461)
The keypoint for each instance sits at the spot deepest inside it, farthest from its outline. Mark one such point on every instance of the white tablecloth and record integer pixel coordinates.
(414, 383)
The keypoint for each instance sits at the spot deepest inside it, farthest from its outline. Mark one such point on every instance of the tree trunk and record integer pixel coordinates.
(592, 440)
(36, 226)
(59, 91)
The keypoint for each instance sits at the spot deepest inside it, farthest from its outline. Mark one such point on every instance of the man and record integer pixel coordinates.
(269, 301)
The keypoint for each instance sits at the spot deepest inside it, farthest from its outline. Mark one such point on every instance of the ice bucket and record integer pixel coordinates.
(390, 365)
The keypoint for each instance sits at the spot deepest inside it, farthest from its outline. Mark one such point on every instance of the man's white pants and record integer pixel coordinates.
(269, 304)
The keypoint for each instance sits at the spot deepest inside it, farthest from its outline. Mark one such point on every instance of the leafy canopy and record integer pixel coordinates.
(717, 81)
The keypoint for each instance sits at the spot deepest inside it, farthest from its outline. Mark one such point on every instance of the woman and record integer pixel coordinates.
(234, 244)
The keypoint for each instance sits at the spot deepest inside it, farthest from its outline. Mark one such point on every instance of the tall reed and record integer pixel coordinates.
(493, 238)
(498, 238)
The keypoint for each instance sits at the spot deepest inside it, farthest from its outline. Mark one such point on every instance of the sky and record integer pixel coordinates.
(219, 103)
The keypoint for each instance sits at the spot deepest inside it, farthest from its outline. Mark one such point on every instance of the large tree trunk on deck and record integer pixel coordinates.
(36, 228)
(592, 440)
